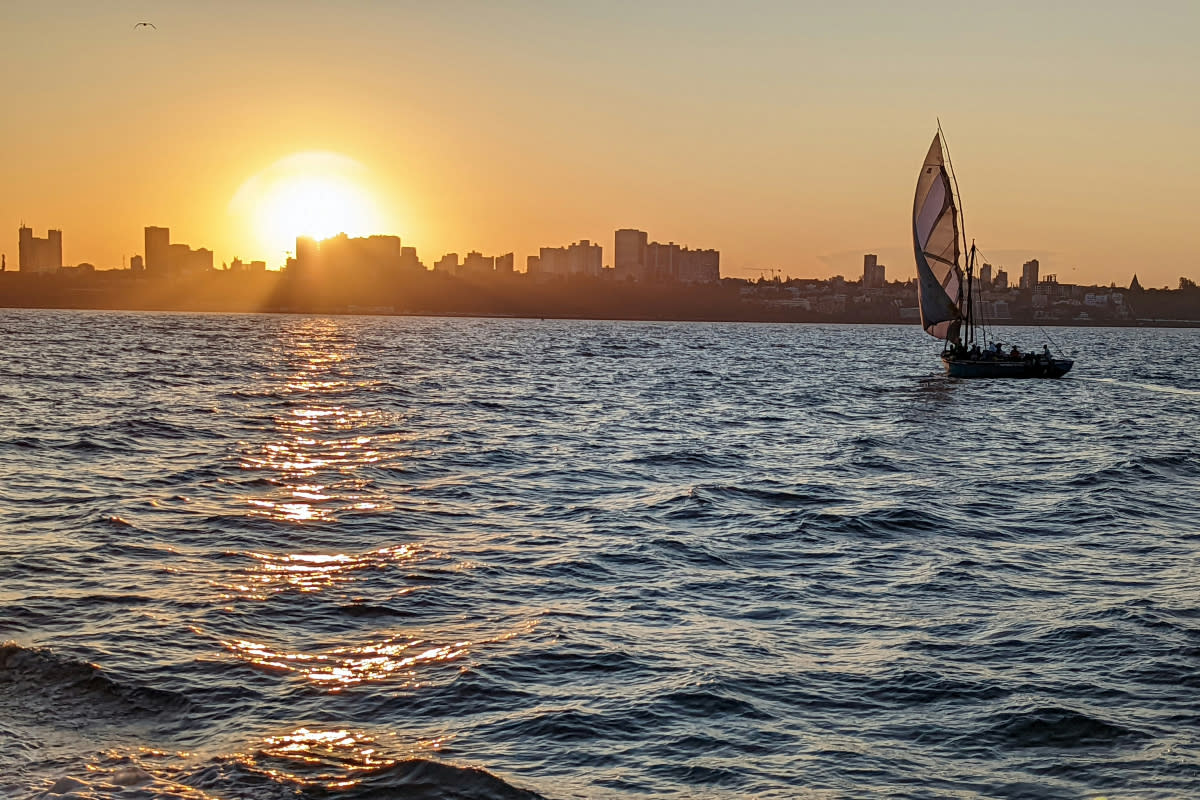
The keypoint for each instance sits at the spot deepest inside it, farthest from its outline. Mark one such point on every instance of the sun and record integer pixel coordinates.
(317, 194)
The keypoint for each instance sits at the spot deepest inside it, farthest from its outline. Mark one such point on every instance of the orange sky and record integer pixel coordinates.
(785, 134)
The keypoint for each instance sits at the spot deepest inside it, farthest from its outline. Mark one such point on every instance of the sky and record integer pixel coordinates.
(788, 135)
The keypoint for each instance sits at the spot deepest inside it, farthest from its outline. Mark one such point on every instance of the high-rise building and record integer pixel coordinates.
(702, 266)
(164, 259)
(447, 263)
(552, 261)
(158, 251)
(580, 258)
(985, 276)
(477, 263)
(377, 257)
(137, 265)
(873, 272)
(629, 254)
(585, 258)
(39, 255)
(308, 254)
(638, 259)
(1029, 274)
(409, 261)
(1001, 281)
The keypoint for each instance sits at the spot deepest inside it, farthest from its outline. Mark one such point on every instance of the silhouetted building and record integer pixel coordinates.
(1001, 280)
(237, 265)
(1134, 286)
(551, 261)
(137, 265)
(39, 255)
(477, 263)
(183, 260)
(409, 261)
(447, 263)
(308, 255)
(504, 263)
(353, 258)
(166, 259)
(580, 258)
(629, 254)
(585, 258)
(158, 251)
(703, 266)
(985, 276)
(637, 259)
(661, 261)
(1029, 274)
(873, 272)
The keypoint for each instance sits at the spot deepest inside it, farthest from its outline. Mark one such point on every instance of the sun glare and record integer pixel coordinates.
(316, 194)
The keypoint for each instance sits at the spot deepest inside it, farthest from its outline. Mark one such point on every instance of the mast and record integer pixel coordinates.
(970, 296)
(962, 222)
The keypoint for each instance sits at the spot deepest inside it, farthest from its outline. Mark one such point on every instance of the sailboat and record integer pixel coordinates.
(944, 293)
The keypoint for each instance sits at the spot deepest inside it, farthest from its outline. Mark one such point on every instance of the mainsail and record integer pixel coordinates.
(936, 245)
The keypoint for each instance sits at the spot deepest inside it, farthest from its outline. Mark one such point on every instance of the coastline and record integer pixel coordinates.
(517, 296)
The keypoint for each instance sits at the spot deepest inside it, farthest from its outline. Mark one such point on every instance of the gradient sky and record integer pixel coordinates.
(785, 134)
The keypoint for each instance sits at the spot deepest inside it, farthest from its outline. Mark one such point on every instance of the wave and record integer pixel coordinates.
(1140, 468)
(704, 459)
(1054, 727)
(71, 691)
(302, 765)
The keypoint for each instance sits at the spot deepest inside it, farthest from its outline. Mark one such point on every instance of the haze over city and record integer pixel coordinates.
(785, 135)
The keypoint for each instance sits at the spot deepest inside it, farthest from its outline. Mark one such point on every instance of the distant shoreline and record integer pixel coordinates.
(518, 296)
(752, 319)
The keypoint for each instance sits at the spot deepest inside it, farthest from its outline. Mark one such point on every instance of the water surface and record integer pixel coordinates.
(272, 556)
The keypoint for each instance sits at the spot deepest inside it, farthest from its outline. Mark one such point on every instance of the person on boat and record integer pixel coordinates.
(1014, 354)
(975, 352)
(1046, 353)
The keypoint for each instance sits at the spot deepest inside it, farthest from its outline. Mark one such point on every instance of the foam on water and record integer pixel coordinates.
(268, 556)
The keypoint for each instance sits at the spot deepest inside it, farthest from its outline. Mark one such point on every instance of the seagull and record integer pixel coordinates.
(145, 25)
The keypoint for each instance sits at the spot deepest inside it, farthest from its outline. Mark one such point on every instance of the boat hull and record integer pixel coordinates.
(1035, 368)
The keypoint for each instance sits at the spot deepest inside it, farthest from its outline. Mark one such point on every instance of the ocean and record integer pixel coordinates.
(371, 557)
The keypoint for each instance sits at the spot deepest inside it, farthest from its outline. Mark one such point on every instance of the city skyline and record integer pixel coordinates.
(784, 138)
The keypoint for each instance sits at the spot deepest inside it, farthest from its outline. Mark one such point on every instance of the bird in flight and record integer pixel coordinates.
(145, 25)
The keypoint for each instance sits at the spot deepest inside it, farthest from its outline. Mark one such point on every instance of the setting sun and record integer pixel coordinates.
(316, 194)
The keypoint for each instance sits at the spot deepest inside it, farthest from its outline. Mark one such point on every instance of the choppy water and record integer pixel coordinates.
(267, 557)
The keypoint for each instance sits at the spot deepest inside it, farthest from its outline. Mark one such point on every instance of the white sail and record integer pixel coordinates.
(937, 248)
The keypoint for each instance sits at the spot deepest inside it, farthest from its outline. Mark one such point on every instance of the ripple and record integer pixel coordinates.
(281, 556)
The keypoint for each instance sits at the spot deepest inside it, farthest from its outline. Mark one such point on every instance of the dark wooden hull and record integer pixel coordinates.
(1001, 368)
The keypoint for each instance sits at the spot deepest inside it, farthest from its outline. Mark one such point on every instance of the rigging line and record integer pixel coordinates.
(962, 218)
(1041, 328)
(987, 324)
(1057, 346)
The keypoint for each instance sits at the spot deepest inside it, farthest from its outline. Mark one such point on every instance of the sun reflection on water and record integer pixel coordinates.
(333, 759)
(397, 659)
(315, 462)
(313, 572)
